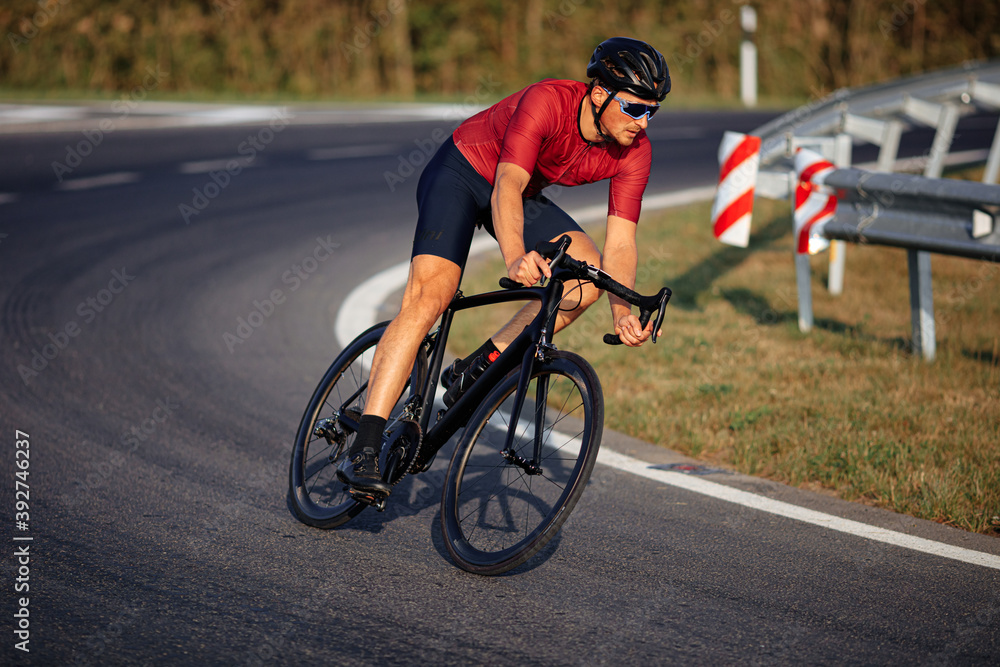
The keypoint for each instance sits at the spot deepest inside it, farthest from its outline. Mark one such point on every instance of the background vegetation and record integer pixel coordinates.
(401, 49)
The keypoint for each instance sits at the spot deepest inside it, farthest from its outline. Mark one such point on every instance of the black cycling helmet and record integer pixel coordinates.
(622, 63)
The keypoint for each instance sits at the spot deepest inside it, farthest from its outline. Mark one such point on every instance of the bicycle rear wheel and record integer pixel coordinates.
(329, 426)
(497, 510)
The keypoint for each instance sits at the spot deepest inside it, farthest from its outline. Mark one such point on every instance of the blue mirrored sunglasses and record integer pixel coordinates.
(635, 110)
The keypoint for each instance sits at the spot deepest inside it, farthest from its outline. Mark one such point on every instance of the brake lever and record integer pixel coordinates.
(664, 297)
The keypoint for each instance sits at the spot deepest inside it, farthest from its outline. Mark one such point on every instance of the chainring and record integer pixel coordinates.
(400, 450)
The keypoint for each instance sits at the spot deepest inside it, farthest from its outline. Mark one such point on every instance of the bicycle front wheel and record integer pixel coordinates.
(502, 505)
(328, 427)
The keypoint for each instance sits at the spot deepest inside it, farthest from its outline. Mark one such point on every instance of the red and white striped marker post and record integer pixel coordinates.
(739, 158)
(815, 203)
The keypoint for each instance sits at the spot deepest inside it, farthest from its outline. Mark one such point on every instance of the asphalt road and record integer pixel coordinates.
(159, 447)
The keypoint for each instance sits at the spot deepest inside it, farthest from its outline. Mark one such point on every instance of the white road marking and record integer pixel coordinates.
(205, 166)
(771, 506)
(17, 113)
(7, 197)
(344, 152)
(360, 310)
(116, 178)
(234, 115)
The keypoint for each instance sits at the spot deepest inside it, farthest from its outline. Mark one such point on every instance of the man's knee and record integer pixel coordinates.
(429, 294)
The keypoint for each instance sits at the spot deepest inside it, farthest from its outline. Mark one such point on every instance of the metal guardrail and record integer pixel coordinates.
(926, 214)
(907, 211)
(923, 215)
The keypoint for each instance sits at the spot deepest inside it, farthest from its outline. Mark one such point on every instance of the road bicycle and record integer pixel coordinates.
(532, 427)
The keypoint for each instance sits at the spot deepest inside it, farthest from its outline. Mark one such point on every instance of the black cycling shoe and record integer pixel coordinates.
(458, 381)
(361, 473)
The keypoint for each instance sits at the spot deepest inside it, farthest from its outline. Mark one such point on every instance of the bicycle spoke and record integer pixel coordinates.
(318, 497)
(495, 515)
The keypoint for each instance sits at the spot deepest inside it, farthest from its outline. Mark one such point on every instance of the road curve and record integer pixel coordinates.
(162, 328)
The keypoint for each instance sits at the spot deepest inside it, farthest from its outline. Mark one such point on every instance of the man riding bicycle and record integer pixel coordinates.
(487, 174)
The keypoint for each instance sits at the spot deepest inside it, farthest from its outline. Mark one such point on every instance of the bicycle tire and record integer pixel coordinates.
(317, 496)
(491, 517)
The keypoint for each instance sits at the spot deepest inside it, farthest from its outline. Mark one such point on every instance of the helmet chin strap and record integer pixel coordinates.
(597, 116)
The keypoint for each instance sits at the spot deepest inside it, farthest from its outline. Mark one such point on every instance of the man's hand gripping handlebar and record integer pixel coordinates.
(555, 251)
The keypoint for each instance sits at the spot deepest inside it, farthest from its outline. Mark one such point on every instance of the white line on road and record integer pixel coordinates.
(344, 152)
(771, 506)
(116, 178)
(7, 197)
(360, 310)
(234, 115)
(16, 113)
(205, 166)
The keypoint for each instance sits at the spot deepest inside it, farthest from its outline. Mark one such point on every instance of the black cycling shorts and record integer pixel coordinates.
(453, 199)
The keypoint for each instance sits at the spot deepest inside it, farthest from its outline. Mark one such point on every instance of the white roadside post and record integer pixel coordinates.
(748, 57)
(838, 249)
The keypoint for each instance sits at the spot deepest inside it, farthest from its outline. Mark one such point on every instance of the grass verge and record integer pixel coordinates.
(845, 409)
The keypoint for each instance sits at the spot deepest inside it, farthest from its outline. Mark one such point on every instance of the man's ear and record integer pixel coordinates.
(598, 95)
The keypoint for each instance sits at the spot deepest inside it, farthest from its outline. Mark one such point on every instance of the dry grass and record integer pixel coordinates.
(846, 407)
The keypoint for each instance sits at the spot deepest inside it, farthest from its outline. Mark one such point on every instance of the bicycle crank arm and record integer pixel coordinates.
(374, 500)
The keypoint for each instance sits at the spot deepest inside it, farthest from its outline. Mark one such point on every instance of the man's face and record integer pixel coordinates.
(615, 123)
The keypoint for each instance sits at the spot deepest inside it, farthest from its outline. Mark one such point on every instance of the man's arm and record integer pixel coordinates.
(621, 257)
(508, 223)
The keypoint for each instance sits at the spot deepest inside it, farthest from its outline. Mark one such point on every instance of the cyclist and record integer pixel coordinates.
(490, 173)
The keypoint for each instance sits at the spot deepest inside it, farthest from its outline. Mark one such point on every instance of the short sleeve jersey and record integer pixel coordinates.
(537, 129)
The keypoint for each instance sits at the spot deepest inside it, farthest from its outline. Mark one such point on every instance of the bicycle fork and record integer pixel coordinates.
(530, 466)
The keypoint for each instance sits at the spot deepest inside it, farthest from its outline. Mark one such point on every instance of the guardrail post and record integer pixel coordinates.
(890, 146)
(989, 94)
(803, 272)
(921, 303)
(803, 278)
(942, 140)
(838, 249)
(993, 161)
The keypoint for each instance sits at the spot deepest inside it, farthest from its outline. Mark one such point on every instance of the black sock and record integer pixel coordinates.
(369, 434)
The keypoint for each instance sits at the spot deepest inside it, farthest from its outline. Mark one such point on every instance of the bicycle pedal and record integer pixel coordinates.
(371, 499)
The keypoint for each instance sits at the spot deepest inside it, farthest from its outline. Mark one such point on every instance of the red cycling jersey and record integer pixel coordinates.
(537, 129)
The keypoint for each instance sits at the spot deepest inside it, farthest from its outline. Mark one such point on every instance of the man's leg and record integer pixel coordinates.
(431, 285)
(577, 297)
(429, 289)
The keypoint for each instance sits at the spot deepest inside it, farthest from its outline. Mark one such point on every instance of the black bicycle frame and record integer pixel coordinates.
(523, 352)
